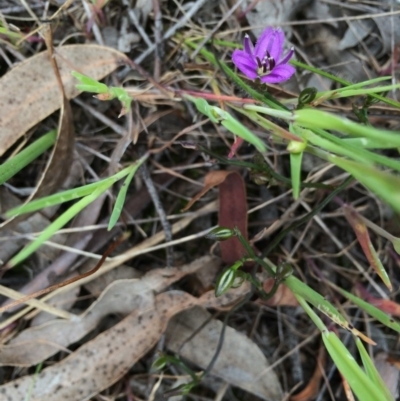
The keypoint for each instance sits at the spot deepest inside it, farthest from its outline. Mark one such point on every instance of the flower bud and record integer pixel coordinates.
(307, 96)
(224, 282)
(240, 277)
(296, 147)
(159, 363)
(220, 234)
(227, 279)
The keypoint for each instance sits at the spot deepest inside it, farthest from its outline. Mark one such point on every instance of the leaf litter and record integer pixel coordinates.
(246, 368)
(31, 347)
(104, 359)
(35, 76)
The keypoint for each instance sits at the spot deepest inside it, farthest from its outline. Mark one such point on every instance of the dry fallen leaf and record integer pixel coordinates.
(246, 368)
(36, 344)
(29, 92)
(212, 179)
(60, 160)
(101, 362)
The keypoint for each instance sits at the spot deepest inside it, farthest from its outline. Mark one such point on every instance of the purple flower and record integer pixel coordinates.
(265, 60)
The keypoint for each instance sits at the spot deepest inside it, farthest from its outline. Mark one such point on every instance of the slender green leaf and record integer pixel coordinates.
(372, 372)
(367, 143)
(119, 203)
(89, 84)
(383, 183)
(65, 196)
(312, 118)
(217, 115)
(295, 170)
(11, 167)
(371, 310)
(360, 383)
(60, 222)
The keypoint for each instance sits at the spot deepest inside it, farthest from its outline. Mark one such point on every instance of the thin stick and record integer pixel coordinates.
(136, 24)
(171, 31)
(144, 171)
(159, 49)
(66, 282)
(215, 29)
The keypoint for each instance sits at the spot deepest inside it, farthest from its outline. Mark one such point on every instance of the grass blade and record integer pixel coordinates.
(12, 166)
(58, 224)
(119, 203)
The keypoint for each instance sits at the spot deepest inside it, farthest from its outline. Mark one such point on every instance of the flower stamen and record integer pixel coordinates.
(259, 63)
(266, 65)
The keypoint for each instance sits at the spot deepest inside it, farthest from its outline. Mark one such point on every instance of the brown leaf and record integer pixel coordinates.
(232, 209)
(29, 92)
(212, 179)
(233, 213)
(246, 368)
(36, 344)
(58, 166)
(104, 360)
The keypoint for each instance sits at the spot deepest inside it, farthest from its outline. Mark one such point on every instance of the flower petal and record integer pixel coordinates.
(245, 63)
(277, 45)
(248, 44)
(271, 40)
(288, 56)
(263, 42)
(279, 74)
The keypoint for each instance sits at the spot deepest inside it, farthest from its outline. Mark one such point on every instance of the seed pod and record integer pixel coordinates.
(220, 234)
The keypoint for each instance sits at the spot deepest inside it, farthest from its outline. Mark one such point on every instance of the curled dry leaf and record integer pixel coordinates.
(104, 360)
(233, 213)
(212, 179)
(246, 368)
(60, 161)
(232, 209)
(36, 344)
(29, 92)
(58, 165)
